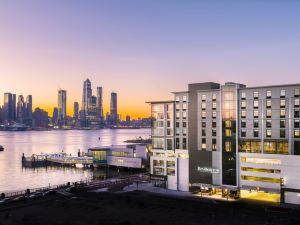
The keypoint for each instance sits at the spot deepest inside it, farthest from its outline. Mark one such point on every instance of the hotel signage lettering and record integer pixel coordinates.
(207, 169)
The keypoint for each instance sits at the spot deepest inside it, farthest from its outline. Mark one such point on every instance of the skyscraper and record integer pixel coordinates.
(21, 109)
(100, 103)
(62, 106)
(76, 111)
(86, 95)
(9, 108)
(113, 108)
(55, 116)
(28, 116)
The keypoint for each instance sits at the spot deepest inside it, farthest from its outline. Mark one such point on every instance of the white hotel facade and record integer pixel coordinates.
(229, 138)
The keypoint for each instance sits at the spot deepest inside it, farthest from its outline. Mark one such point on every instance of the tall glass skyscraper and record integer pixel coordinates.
(100, 103)
(62, 106)
(113, 108)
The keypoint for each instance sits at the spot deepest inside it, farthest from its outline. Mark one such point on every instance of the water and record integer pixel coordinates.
(14, 178)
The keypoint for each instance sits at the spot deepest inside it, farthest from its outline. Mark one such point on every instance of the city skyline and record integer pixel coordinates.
(144, 46)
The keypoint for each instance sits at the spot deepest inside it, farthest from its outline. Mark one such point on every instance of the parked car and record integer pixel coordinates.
(36, 195)
(20, 198)
(71, 189)
(50, 192)
(5, 200)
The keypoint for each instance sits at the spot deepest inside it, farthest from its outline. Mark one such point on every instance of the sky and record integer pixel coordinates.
(144, 49)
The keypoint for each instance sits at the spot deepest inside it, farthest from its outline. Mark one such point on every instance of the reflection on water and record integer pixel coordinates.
(14, 177)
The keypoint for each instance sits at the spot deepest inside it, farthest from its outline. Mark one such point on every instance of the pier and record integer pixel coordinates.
(56, 158)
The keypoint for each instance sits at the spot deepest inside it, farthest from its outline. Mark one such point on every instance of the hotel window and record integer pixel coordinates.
(177, 107)
(184, 145)
(296, 133)
(296, 113)
(269, 94)
(227, 132)
(203, 132)
(203, 145)
(243, 114)
(203, 105)
(228, 146)
(282, 94)
(296, 102)
(243, 133)
(282, 123)
(269, 104)
(184, 132)
(184, 106)
(255, 95)
(268, 133)
(243, 123)
(255, 104)
(203, 98)
(214, 124)
(269, 123)
(255, 124)
(183, 124)
(214, 133)
(282, 113)
(203, 124)
(296, 92)
(184, 98)
(243, 104)
(214, 105)
(282, 133)
(203, 115)
(214, 97)
(184, 115)
(282, 103)
(177, 131)
(177, 99)
(169, 132)
(214, 114)
(269, 113)
(169, 144)
(177, 142)
(214, 145)
(177, 115)
(177, 124)
(255, 133)
(255, 113)
(296, 124)
(243, 95)
(228, 124)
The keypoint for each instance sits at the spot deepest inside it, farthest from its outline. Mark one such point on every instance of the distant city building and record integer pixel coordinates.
(40, 118)
(76, 111)
(87, 94)
(100, 103)
(62, 107)
(113, 109)
(28, 108)
(21, 109)
(55, 116)
(9, 108)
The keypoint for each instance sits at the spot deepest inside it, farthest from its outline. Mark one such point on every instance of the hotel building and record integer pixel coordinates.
(230, 139)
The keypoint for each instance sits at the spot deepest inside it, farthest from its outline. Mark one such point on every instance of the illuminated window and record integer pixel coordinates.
(177, 106)
(184, 107)
(282, 103)
(243, 95)
(214, 114)
(214, 97)
(177, 99)
(228, 132)
(255, 113)
(269, 104)
(282, 94)
(260, 170)
(296, 92)
(177, 115)
(261, 161)
(268, 133)
(250, 146)
(296, 102)
(243, 104)
(282, 123)
(261, 179)
(214, 105)
(255, 95)
(243, 123)
(255, 104)
(269, 113)
(228, 123)
(203, 145)
(184, 115)
(243, 133)
(243, 114)
(269, 94)
(203, 97)
(228, 146)
(282, 113)
(203, 115)
(214, 145)
(184, 98)
(203, 105)
(297, 133)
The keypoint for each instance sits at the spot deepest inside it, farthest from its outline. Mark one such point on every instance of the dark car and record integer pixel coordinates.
(72, 189)
(5, 200)
(20, 198)
(36, 195)
(50, 192)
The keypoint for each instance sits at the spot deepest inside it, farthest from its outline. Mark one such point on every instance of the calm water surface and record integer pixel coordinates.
(14, 178)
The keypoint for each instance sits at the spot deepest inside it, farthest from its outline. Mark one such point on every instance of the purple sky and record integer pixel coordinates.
(144, 49)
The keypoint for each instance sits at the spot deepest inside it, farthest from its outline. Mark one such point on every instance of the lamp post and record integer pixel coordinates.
(49, 183)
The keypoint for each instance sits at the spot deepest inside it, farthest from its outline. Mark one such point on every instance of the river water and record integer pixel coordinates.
(13, 177)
